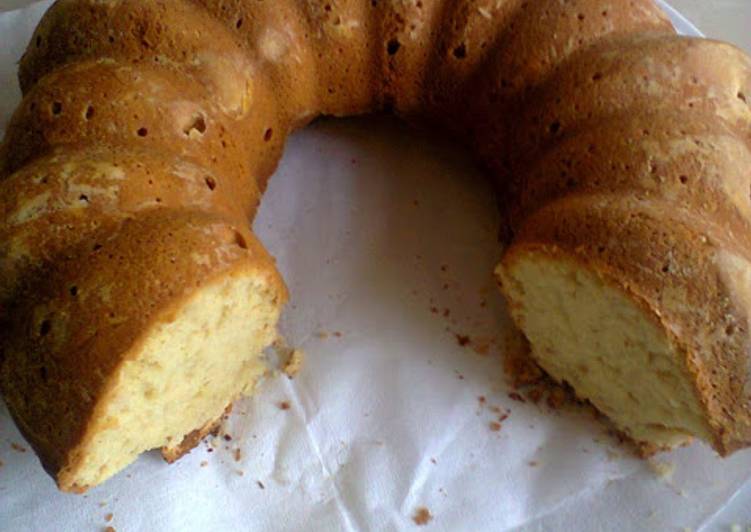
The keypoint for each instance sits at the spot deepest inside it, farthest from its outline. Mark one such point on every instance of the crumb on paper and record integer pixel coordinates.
(322, 335)
(260, 484)
(422, 516)
(110, 529)
(238, 454)
(283, 405)
(17, 447)
(494, 426)
(240, 473)
(663, 470)
(533, 463)
(462, 339)
(433, 461)
(516, 397)
(204, 463)
(481, 399)
(337, 334)
(108, 518)
(227, 437)
(294, 363)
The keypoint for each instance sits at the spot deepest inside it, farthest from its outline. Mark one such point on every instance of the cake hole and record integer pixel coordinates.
(555, 127)
(45, 327)
(38, 41)
(89, 112)
(581, 16)
(111, 39)
(597, 76)
(730, 329)
(742, 97)
(57, 108)
(96, 247)
(683, 179)
(73, 290)
(393, 46)
(666, 268)
(84, 198)
(460, 52)
(43, 373)
(210, 182)
(142, 131)
(239, 23)
(268, 134)
(198, 124)
(240, 240)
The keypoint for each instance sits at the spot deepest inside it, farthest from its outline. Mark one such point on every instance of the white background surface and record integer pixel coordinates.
(384, 418)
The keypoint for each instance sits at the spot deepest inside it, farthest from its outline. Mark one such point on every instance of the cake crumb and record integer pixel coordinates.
(533, 463)
(238, 454)
(108, 518)
(240, 473)
(204, 463)
(516, 397)
(110, 529)
(663, 470)
(433, 461)
(462, 339)
(283, 405)
(227, 437)
(422, 516)
(260, 484)
(294, 363)
(494, 426)
(322, 335)
(19, 448)
(481, 399)
(102, 504)
(337, 334)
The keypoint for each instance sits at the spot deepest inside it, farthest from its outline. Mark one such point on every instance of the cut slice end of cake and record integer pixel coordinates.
(613, 350)
(173, 387)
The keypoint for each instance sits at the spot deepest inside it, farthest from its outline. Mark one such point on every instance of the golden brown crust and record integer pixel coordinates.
(149, 128)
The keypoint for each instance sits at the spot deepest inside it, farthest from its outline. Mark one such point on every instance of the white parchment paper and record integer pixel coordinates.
(387, 241)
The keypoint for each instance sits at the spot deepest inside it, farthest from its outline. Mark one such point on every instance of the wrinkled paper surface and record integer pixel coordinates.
(387, 241)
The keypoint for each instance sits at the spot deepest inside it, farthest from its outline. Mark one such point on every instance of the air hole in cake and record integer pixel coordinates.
(43, 373)
(39, 41)
(581, 16)
(460, 52)
(268, 134)
(683, 179)
(74, 291)
(84, 198)
(597, 76)
(742, 97)
(239, 23)
(240, 240)
(89, 112)
(197, 124)
(45, 327)
(555, 127)
(393, 46)
(210, 182)
(730, 329)
(57, 108)
(142, 131)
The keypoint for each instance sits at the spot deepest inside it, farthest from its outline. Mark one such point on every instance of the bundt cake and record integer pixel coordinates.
(136, 302)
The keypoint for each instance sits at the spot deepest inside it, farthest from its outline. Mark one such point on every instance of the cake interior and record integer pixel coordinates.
(182, 375)
(588, 333)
